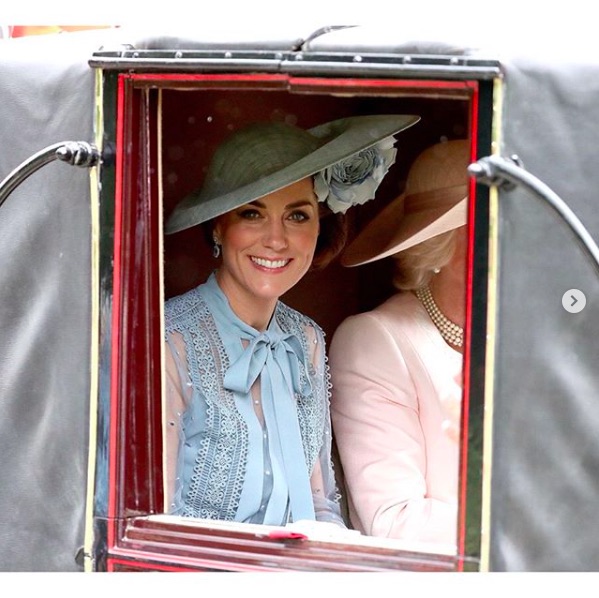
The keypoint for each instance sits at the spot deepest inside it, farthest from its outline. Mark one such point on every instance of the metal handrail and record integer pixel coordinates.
(76, 153)
(509, 172)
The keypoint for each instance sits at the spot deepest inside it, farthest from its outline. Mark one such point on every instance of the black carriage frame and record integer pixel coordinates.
(128, 529)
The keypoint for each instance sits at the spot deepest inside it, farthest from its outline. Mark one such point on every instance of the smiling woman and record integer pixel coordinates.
(267, 246)
(249, 434)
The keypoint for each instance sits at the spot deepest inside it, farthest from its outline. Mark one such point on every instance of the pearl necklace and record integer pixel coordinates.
(451, 332)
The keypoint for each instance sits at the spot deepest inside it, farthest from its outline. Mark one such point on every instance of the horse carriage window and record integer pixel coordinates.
(167, 128)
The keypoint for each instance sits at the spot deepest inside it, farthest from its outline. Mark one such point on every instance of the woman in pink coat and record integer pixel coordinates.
(397, 370)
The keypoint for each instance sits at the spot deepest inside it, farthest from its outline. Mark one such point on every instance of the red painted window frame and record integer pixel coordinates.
(134, 444)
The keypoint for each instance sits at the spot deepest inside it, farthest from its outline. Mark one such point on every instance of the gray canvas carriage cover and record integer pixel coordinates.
(46, 96)
(545, 480)
(545, 452)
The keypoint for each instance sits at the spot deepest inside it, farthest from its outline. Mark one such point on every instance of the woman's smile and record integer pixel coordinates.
(270, 264)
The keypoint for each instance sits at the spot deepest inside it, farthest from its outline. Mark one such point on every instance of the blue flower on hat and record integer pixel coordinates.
(354, 181)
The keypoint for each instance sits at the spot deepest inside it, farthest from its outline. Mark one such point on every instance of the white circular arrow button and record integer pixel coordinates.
(574, 301)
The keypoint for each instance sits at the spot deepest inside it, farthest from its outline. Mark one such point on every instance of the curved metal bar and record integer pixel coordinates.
(506, 173)
(76, 153)
(318, 33)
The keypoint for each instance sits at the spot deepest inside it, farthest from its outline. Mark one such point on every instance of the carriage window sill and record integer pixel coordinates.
(197, 544)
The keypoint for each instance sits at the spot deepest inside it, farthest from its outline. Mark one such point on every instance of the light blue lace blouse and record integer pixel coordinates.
(254, 426)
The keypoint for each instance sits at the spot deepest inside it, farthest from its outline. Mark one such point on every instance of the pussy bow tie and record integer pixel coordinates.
(267, 350)
(277, 358)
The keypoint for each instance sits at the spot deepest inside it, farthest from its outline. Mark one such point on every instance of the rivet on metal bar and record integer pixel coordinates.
(78, 153)
(492, 171)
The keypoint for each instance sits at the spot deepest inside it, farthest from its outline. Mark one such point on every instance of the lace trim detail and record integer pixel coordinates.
(220, 465)
(219, 469)
(312, 407)
(329, 390)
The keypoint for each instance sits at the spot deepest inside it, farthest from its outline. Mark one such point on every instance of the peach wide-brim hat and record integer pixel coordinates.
(433, 202)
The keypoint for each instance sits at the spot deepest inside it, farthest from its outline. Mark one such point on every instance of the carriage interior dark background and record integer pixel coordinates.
(195, 121)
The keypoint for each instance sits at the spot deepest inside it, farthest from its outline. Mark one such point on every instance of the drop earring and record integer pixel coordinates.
(216, 248)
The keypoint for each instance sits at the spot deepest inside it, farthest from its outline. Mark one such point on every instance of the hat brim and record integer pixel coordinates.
(347, 136)
(391, 231)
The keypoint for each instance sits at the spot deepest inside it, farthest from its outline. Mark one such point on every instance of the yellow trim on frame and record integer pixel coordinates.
(95, 332)
(491, 338)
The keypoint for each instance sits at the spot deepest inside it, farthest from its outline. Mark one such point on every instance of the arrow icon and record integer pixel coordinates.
(574, 301)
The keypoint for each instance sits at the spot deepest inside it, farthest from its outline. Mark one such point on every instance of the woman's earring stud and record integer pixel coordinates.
(216, 249)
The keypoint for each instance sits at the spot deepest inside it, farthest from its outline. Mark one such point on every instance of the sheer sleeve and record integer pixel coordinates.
(178, 395)
(322, 481)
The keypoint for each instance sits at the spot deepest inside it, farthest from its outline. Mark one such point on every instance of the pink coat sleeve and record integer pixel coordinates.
(382, 440)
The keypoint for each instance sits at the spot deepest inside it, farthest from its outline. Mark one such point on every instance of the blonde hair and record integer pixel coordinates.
(414, 266)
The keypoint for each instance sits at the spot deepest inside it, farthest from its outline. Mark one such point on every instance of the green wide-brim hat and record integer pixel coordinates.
(265, 157)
